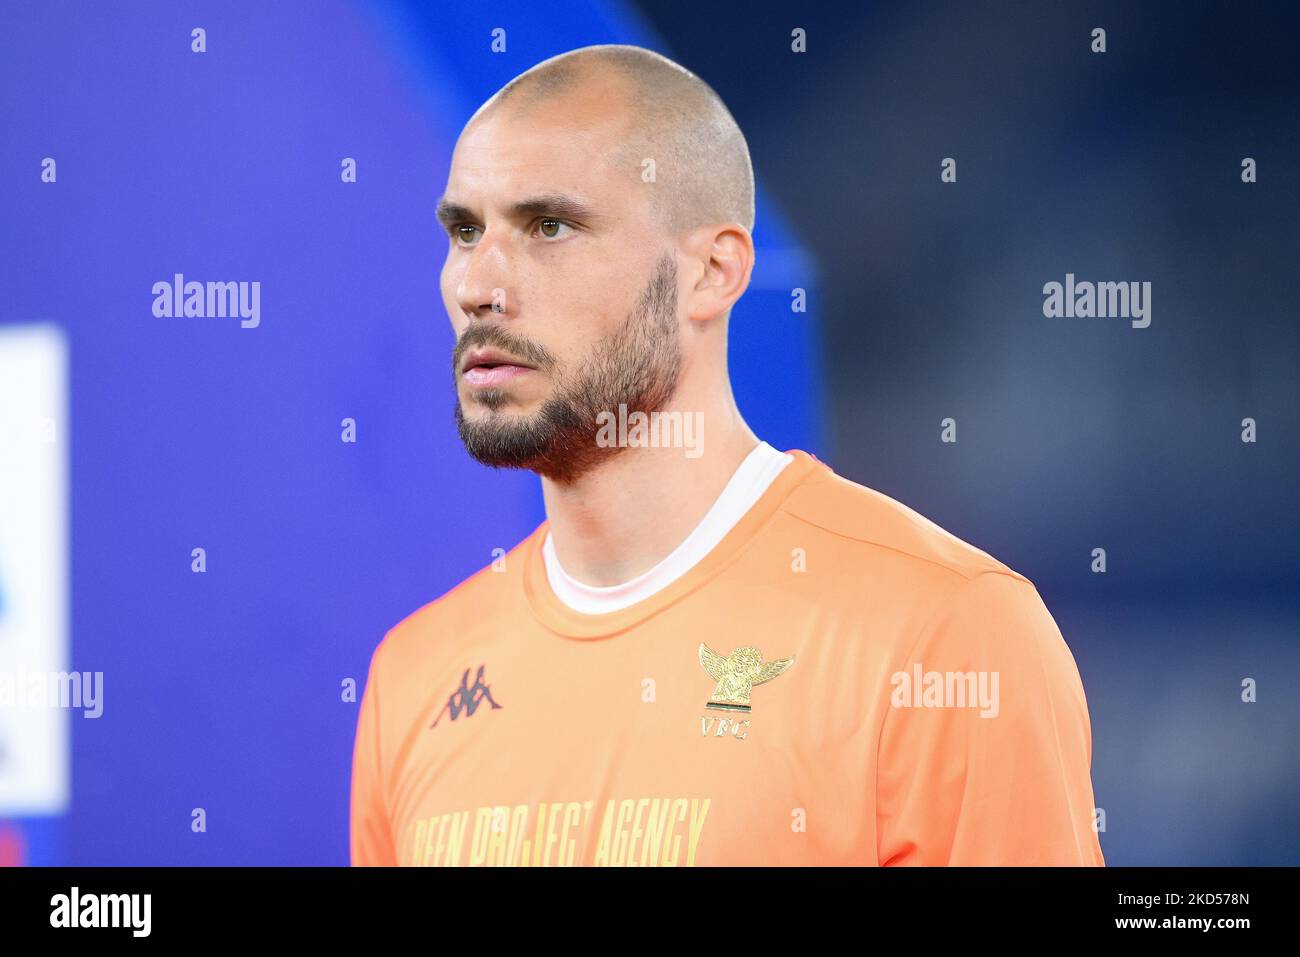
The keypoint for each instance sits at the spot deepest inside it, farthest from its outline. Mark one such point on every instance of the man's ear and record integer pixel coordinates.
(723, 258)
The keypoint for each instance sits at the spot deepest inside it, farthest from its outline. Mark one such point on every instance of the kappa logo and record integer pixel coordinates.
(467, 698)
(735, 677)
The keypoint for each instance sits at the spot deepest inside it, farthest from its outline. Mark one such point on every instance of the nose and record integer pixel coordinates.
(485, 287)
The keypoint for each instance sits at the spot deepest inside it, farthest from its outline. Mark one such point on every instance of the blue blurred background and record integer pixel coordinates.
(222, 690)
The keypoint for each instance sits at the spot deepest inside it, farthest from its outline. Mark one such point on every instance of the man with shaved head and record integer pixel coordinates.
(711, 652)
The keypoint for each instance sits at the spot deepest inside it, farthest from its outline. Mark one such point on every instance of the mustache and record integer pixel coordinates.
(486, 334)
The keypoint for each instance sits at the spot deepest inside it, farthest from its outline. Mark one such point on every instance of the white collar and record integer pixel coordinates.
(759, 469)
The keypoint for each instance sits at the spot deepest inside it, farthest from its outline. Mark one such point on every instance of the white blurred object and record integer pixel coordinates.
(34, 741)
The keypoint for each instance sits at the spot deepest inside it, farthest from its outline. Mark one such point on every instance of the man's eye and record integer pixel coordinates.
(463, 232)
(549, 227)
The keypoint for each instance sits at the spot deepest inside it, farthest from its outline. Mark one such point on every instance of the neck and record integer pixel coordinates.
(627, 514)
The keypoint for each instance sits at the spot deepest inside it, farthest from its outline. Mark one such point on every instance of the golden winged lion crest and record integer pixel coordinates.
(736, 675)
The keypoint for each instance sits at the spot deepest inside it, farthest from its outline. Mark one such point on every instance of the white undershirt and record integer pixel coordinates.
(759, 469)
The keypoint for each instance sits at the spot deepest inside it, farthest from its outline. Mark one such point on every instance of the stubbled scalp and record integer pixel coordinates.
(703, 172)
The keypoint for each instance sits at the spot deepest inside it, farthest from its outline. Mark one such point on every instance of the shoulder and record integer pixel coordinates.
(458, 612)
(870, 524)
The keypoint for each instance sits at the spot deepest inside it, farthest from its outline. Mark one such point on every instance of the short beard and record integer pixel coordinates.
(638, 366)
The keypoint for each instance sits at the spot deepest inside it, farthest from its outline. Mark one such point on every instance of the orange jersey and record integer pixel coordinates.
(838, 682)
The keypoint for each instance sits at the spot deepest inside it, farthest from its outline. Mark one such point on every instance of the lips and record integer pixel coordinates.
(488, 367)
(494, 375)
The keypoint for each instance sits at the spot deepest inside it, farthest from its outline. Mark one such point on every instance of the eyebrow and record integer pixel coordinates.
(551, 204)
